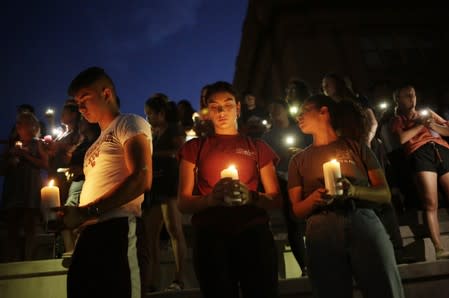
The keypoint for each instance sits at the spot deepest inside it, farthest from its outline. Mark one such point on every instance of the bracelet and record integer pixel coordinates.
(93, 211)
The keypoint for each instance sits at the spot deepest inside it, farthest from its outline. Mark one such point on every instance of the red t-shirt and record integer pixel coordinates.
(216, 153)
(424, 136)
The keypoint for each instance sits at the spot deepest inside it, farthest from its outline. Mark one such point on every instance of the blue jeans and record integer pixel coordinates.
(351, 244)
(73, 198)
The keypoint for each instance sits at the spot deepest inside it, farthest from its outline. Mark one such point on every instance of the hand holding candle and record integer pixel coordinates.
(332, 173)
(232, 193)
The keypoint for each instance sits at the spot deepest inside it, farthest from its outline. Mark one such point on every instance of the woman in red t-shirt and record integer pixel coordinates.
(233, 246)
(419, 134)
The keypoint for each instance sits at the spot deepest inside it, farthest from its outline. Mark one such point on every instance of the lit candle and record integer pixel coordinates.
(332, 172)
(48, 138)
(19, 144)
(231, 172)
(49, 199)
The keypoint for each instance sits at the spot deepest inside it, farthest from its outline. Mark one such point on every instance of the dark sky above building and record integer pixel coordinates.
(147, 46)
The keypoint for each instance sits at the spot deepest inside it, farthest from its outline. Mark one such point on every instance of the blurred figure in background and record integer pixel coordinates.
(297, 92)
(428, 154)
(21, 189)
(362, 125)
(252, 116)
(203, 126)
(185, 114)
(60, 149)
(160, 206)
(89, 132)
(285, 138)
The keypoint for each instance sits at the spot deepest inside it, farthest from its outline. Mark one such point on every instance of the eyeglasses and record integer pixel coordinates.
(216, 108)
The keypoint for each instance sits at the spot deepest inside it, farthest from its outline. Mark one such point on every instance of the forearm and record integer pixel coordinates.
(379, 194)
(192, 204)
(407, 135)
(267, 201)
(303, 208)
(441, 129)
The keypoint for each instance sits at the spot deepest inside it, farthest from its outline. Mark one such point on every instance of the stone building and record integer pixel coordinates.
(377, 44)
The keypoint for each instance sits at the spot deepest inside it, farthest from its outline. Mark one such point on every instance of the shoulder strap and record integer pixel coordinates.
(195, 169)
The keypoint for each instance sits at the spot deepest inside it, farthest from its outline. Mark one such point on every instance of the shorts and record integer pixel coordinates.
(430, 157)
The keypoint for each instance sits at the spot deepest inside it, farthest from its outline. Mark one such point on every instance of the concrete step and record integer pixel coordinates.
(420, 280)
(46, 278)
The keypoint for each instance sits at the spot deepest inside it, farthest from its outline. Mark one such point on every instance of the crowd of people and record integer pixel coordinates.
(124, 180)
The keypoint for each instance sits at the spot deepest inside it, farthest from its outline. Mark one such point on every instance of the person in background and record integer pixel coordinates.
(285, 138)
(296, 92)
(118, 170)
(185, 114)
(428, 154)
(203, 126)
(233, 248)
(362, 125)
(89, 132)
(26, 108)
(252, 116)
(60, 149)
(344, 237)
(21, 187)
(160, 206)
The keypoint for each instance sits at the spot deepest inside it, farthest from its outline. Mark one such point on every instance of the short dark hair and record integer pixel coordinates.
(221, 86)
(88, 77)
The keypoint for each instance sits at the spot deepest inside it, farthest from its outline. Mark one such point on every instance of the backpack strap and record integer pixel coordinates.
(195, 169)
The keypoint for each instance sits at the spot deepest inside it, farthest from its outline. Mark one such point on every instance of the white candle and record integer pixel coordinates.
(332, 172)
(19, 144)
(230, 171)
(49, 199)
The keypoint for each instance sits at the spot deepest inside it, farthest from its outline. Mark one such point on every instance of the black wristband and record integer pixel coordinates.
(93, 211)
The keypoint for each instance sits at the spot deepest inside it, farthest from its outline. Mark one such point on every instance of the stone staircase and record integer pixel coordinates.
(427, 278)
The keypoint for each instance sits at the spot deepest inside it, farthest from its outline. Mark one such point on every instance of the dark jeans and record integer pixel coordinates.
(226, 264)
(296, 228)
(104, 263)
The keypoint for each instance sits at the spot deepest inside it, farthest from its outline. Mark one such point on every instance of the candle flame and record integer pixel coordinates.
(51, 183)
(232, 167)
(333, 160)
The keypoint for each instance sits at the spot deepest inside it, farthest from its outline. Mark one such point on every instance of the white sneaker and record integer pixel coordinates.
(441, 254)
(175, 286)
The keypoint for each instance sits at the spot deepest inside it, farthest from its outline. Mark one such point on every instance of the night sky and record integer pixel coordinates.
(169, 46)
